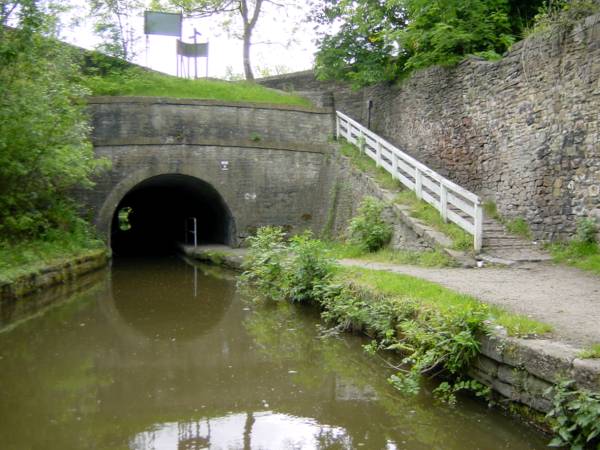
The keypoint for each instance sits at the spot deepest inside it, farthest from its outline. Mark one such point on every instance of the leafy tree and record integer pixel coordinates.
(44, 146)
(444, 31)
(361, 50)
(113, 23)
(248, 11)
(380, 40)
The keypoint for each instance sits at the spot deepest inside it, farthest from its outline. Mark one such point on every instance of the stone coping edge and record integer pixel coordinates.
(54, 274)
(324, 148)
(106, 99)
(523, 370)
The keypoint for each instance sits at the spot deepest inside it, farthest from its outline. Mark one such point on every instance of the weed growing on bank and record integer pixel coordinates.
(368, 230)
(583, 251)
(431, 216)
(55, 246)
(575, 417)
(435, 329)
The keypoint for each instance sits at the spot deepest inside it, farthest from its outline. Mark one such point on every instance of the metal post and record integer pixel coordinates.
(195, 232)
(207, 50)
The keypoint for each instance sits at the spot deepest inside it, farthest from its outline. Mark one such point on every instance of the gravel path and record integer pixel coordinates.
(564, 297)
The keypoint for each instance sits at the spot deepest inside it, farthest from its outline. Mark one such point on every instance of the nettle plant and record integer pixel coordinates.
(368, 229)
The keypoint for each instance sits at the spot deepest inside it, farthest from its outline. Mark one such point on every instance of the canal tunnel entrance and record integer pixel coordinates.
(160, 212)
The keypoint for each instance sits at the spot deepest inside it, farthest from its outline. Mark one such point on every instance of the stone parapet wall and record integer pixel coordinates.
(524, 132)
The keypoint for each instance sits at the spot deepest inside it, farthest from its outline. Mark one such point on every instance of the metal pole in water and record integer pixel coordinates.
(195, 232)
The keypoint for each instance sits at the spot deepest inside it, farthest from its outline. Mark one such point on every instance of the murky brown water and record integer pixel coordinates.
(155, 355)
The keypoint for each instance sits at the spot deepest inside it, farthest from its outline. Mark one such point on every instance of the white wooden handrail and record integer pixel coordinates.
(454, 203)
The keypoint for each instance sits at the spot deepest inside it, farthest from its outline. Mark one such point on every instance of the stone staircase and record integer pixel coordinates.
(502, 247)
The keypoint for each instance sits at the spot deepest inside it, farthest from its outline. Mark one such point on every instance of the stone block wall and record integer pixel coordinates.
(266, 162)
(524, 132)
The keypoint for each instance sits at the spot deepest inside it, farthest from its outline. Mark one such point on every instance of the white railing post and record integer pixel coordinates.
(478, 222)
(454, 201)
(337, 127)
(378, 149)
(444, 201)
(418, 183)
(361, 141)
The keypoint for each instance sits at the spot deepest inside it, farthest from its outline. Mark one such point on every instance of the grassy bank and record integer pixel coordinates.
(431, 295)
(137, 82)
(26, 257)
(418, 208)
(583, 255)
(425, 258)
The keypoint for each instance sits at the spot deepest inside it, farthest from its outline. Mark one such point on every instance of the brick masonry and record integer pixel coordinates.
(523, 132)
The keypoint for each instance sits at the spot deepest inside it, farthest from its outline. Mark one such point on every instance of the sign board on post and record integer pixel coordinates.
(192, 50)
(164, 24)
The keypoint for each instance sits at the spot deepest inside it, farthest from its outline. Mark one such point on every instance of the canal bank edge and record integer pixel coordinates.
(53, 274)
(521, 372)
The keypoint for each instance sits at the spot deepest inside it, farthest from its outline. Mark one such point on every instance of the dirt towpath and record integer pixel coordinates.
(564, 297)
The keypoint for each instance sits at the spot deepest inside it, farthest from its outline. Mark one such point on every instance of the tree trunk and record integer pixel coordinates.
(247, 65)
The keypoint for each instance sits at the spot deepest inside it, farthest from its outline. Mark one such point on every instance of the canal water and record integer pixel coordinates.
(159, 354)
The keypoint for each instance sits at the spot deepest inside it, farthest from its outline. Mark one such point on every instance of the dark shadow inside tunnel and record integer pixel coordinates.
(163, 211)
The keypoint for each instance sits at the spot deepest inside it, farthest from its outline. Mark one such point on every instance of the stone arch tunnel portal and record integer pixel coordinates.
(158, 214)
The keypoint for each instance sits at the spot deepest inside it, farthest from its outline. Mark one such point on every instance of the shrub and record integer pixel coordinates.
(297, 270)
(576, 417)
(264, 264)
(309, 270)
(587, 230)
(368, 229)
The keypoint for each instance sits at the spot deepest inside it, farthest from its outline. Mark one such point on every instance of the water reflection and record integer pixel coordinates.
(244, 431)
(140, 362)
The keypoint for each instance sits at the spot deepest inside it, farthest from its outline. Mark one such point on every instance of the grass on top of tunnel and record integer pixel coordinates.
(432, 294)
(134, 81)
(27, 257)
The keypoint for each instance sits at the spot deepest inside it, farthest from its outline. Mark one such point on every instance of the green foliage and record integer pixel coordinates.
(575, 417)
(432, 340)
(309, 270)
(30, 256)
(264, 264)
(360, 50)
(592, 352)
(114, 24)
(44, 146)
(584, 255)
(444, 31)
(366, 164)
(587, 230)
(431, 216)
(137, 81)
(377, 41)
(437, 297)
(368, 229)
(518, 226)
(426, 258)
(562, 15)
(446, 392)
(295, 270)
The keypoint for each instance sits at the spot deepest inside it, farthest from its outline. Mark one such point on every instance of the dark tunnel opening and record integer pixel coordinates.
(157, 215)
